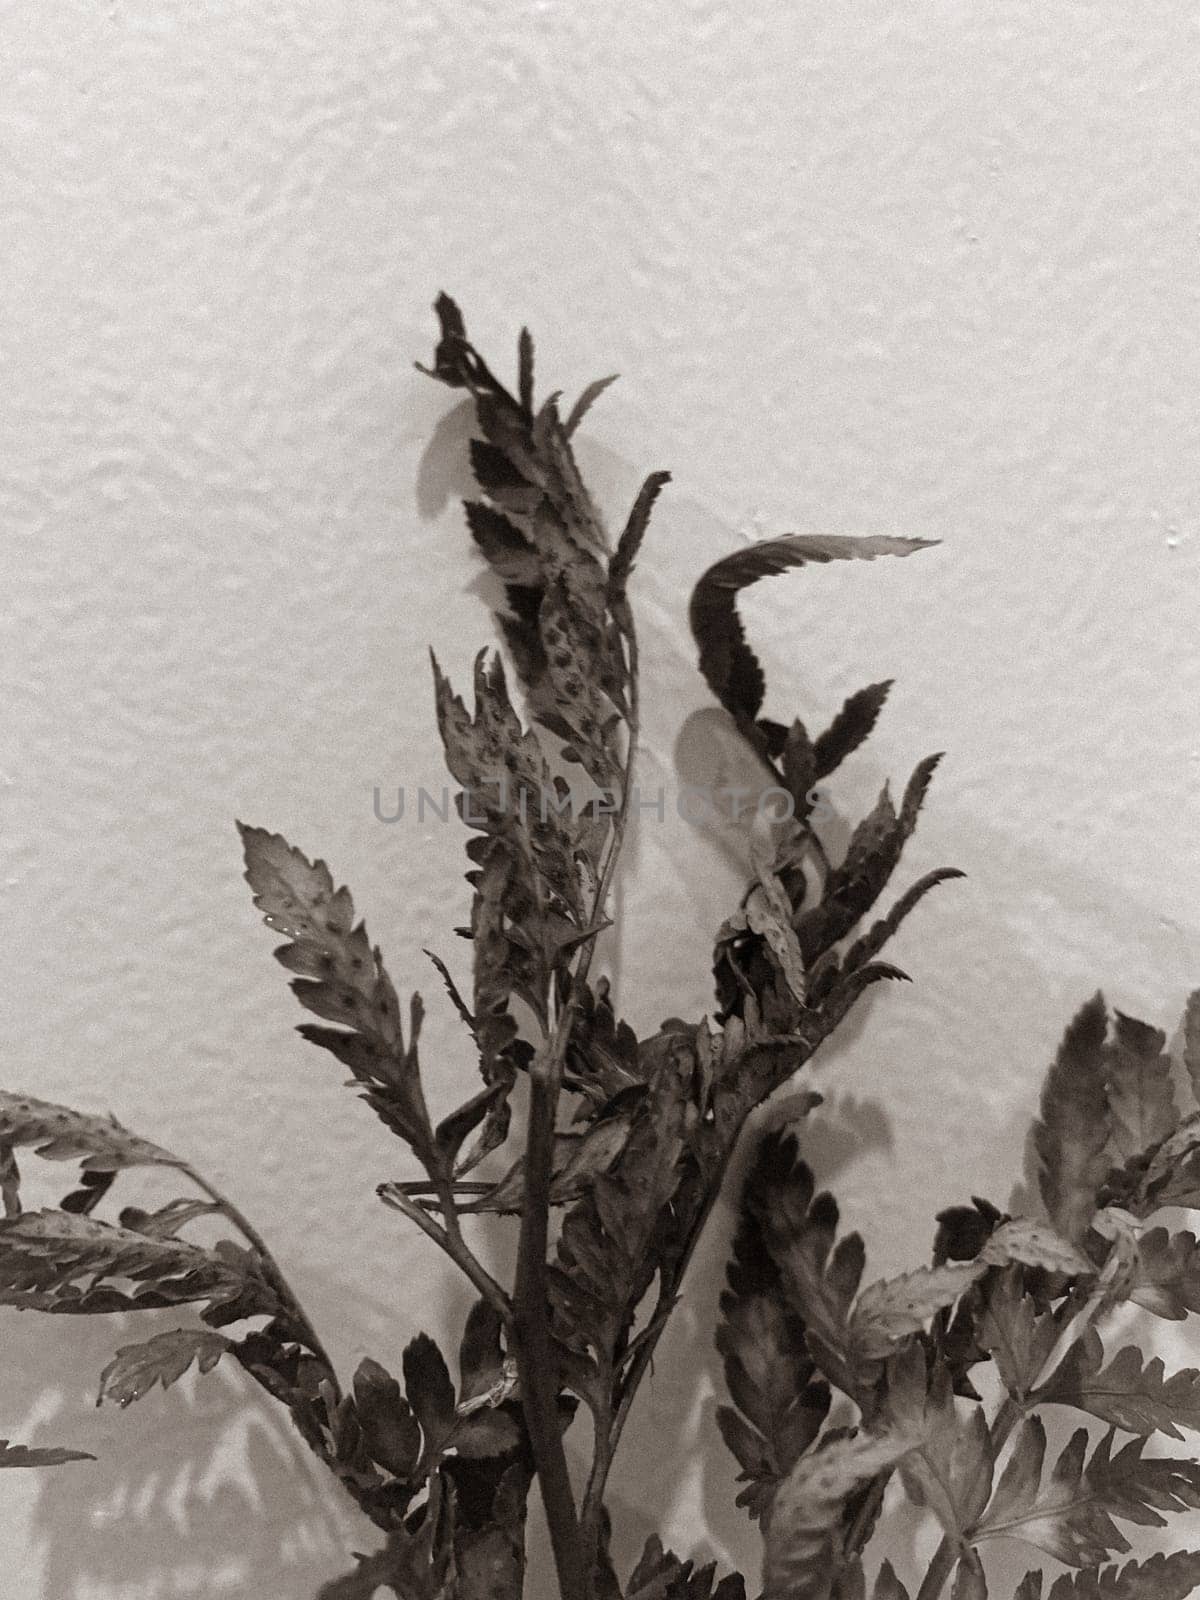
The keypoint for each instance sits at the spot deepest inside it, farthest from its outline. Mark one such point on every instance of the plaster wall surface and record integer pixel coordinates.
(923, 269)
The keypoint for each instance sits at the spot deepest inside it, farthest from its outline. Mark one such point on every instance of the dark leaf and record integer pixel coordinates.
(630, 542)
(20, 1455)
(1161, 1577)
(389, 1428)
(1016, 1334)
(1072, 1132)
(727, 663)
(585, 402)
(58, 1261)
(136, 1368)
(430, 1391)
(888, 1585)
(851, 726)
(1191, 1041)
(1141, 1101)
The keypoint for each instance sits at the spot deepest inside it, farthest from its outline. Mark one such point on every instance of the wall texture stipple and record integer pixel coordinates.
(922, 270)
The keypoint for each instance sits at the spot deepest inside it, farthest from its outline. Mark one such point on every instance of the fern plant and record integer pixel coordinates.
(933, 1385)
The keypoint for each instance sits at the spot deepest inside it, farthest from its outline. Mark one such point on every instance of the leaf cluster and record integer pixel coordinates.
(1029, 1299)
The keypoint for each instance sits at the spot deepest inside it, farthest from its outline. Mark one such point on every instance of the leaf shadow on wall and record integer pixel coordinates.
(202, 1490)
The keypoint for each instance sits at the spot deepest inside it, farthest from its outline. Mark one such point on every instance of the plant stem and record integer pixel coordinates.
(537, 1366)
(450, 1239)
(255, 1239)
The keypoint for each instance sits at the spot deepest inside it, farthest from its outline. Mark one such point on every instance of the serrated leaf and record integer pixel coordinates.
(59, 1133)
(769, 914)
(20, 1455)
(1127, 1392)
(1072, 1132)
(1191, 1041)
(888, 1310)
(819, 1274)
(429, 1390)
(1072, 1513)
(772, 1379)
(630, 542)
(807, 1508)
(950, 1467)
(1141, 1100)
(586, 401)
(136, 1368)
(1164, 1274)
(1035, 1245)
(849, 729)
(855, 884)
(727, 663)
(661, 1575)
(389, 1428)
(888, 1585)
(1019, 1338)
(878, 934)
(60, 1262)
(343, 980)
(1161, 1577)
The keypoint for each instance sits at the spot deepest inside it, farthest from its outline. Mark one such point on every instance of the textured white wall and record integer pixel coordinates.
(926, 269)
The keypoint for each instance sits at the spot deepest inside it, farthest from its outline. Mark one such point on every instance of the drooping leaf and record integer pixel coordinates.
(136, 1368)
(806, 1511)
(1072, 1513)
(1072, 1131)
(343, 980)
(727, 663)
(1128, 1391)
(1035, 1245)
(57, 1261)
(887, 1311)
(1160, 1577)
(20, 1455)
(1141, 1100)
(59, 1133)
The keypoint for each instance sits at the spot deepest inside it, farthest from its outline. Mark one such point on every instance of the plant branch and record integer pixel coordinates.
(274, 1271)
(450, 1239)
(537, 1367)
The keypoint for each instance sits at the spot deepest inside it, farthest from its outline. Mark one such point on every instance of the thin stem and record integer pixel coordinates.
(537, 1366)
(274, 1271)
(450, 1239)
